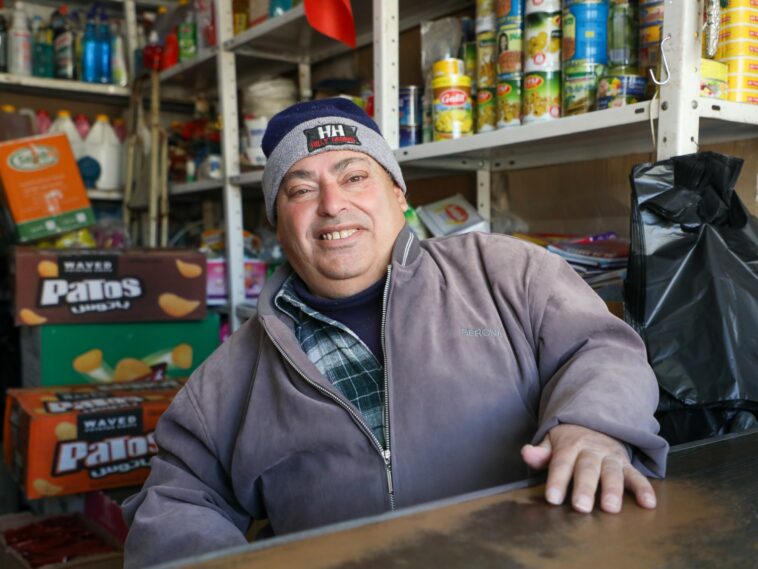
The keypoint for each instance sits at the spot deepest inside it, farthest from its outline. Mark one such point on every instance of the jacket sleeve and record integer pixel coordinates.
(593, 367)
(187, 505)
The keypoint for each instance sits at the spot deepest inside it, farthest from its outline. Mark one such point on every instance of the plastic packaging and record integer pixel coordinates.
(63, 41)
(104, 49)
(82, 125)
(152, 55)
(205, 22)
(268, 96)
(90, 61)
(64, 124)
(43, 60)
(119, 74)
(43, 122)
(170, 55)
(103, 145)
(20, 43)
(254, 129)
(187, 35)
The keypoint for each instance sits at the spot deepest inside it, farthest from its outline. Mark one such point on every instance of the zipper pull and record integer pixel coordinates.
(388, 466)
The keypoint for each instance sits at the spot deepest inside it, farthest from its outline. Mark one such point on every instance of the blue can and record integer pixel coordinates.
(410, 106)
(509, 12)
(585, 32)
(410, 135)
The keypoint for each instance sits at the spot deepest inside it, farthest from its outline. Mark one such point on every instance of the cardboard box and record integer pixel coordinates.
(110, 285)
(68, 354)
(42, 188)
(451, 215)
(255, 278)
(11, 559)
(73, 439)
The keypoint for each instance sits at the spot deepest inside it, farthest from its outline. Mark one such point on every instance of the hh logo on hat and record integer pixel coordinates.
(331, 135)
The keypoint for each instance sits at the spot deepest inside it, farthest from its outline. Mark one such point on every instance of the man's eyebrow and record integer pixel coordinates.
(298, 174)
(342, 165)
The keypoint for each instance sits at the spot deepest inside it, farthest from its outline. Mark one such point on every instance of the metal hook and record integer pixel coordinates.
(665, 65)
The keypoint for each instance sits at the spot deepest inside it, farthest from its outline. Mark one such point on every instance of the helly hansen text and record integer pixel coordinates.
(331, 135)
(482, 332)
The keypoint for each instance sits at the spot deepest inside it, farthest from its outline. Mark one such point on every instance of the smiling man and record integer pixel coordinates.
(381, 372)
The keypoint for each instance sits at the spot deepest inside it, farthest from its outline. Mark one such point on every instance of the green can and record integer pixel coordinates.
(623, 34)
(509, 100)
(542, 96)
(580, 84)
(486, 109)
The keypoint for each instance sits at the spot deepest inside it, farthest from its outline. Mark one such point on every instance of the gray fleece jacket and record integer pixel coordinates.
(489, 343)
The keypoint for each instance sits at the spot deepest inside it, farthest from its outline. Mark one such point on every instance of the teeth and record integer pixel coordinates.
(338, 234)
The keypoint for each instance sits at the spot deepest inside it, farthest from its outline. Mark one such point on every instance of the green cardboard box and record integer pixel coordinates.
(65, 354)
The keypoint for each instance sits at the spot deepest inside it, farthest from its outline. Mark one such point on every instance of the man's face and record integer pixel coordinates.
(338, 214)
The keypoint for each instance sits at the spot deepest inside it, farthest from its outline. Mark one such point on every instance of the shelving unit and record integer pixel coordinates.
(195, 187)
(55, 87)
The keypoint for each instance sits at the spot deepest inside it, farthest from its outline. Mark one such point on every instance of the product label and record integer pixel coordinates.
(510, 49)
(509, 102)
(33, 158)
(543, 41)
(331, 135)
(542, 96)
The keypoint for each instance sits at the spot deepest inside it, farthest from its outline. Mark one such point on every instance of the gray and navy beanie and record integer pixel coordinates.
(313, 127)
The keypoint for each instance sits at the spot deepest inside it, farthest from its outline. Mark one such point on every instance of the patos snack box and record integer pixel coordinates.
(72, 439)
(42, 187)
(56, 286)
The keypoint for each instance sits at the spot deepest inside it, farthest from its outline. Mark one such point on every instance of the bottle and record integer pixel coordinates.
(63, 41)
(187, 36)
(43, 122)
(3, 45)
(64, 124)
(240, 11)
(90, 61)
(82, 126)
(20, 43)
(77, 31)
(43, 59)
(119, 127)
(104, 49)
(152, 54)
(119, 75)
(170, 55)
(103, 145)
(204, 22)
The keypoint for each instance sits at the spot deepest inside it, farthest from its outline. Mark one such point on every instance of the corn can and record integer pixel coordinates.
(543, 42)
(532, 6)
(542, 96)
(486, 56)
(580, 84)
(509, 100)
(510, 49)
(452, 107)
(486, 109)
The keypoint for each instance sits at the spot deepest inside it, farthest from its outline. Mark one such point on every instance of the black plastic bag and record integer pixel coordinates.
(692, 293)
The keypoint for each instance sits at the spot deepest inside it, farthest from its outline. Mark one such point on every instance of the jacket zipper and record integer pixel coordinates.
(385, 454)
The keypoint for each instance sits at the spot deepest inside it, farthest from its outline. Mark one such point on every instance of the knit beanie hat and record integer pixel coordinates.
(309, 128)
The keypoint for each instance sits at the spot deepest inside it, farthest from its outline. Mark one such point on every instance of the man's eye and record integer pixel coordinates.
(356, 178)
(297, 192)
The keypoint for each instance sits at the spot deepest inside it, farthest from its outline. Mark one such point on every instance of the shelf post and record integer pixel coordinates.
(679, 116)
(484, 193)
(227, 90)
(386, 71)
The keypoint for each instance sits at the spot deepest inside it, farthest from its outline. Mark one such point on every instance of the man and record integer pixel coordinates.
(382, 372)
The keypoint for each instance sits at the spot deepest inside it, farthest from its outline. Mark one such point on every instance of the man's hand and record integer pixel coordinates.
(589, 457)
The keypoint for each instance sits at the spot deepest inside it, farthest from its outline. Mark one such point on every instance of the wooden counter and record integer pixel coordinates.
(707, 516)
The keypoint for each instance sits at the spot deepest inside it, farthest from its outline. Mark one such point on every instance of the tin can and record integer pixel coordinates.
(743, 4)
(742, 64)
(580, 83)
(623, 34)
(509, 101)
(739, 32)
(410, 106)
(650, 35)
(651, 14)
(532, 6)
(542, 96)
(486, 109)
(448, 66)
(509, 12)
(452, 107)
(733, 17)
(543, 42)
(510, 49)
(740, 96)
(485, 16)
(737, 48)
(585, 32)
(469, 62)
(486, 56)
(410, 135)
(620, 90)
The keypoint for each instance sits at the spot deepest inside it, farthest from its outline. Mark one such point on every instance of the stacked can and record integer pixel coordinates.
(738, 49)
(585, 53)
(510, 55)
(622, 83)
(486, 73)
(651, 31)
(452, 110)
(542, 61)
(410, 115)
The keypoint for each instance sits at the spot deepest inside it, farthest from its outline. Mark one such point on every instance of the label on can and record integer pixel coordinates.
(485, 60)
(469, 60)
(452, 107)
(652, 14)
(585, 33)
(651, 35)
(623, 34)
(486, 109)
(580, 84)
(410, 106)
(509, 102)
(542, 96)
(543, 42)
(532, 6)
(510, 49)
(620, 90)
(485, 16)
(509, 11)
(410, 135)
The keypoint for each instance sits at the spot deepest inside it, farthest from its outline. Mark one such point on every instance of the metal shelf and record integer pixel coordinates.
(197, 74)
(248, 179)
(195, 187)
(60, 86)
(106, 195)
(722, 121)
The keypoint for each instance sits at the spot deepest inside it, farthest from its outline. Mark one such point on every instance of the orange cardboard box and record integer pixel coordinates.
(82, 438)
(42, 187)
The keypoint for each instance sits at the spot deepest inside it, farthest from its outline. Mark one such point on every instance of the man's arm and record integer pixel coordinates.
(597, 390)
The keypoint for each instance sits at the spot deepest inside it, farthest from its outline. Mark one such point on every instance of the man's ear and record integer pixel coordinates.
(400, 197)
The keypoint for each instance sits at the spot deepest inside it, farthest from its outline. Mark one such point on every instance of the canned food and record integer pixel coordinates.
(509, 101)
(452, 107)
(623, 34)
(469, 62)
(509, 12)
(580, 83)
(650, 57)
(742, 96)
(651, 35)
(533, 6)
(486, 109)
(410, 106)
(410, 135)
(619, 90)
(743, 4)
(485, 60)
(448, 66)
(738, 16)
(742, 64)
(738, 32)
(743, 82)
(485, 16)
(737, 48)
(510, 49)
(651, 14)
(543, 42)
(585, 32)
(542, 96)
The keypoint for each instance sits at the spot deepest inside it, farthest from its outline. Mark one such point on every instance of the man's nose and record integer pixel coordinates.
(331, 199)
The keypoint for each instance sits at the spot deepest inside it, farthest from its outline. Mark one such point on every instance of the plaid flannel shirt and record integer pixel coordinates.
(340, 355)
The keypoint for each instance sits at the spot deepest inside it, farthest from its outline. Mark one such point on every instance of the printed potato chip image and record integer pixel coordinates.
(31, 318)
(189, 270)
(89, 361)
(47, 269)
(176, 306)
(181, 356)
(46, 488)
(129, 369)
(65, 431)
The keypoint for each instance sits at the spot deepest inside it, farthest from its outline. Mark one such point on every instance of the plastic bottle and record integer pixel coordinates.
(82, 126)
(152, 54)
(64, 124)
(240, 12)
(90, 60)
(43, 59)
(63, 40)
(3, 45)
(119, 75)
(103, 145)
(44, 122)
(187, 34)
(20, 43)
(78, 33)
(119, 127)
(206, 28)
(104, 49)
(170, 55)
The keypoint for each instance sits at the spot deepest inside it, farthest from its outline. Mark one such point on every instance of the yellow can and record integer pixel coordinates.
(713, 79)
(733, 17)
(742, 64)
(738, 32)
(448, 66)
(742, 82)
(737, 48)
(453, 117)
(743, 96)
(743, 4)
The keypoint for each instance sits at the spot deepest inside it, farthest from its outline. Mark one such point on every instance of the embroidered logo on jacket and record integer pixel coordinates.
(481, 332)
(331, 135)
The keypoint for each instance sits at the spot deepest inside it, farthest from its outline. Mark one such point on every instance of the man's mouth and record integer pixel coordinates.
(334, 235)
